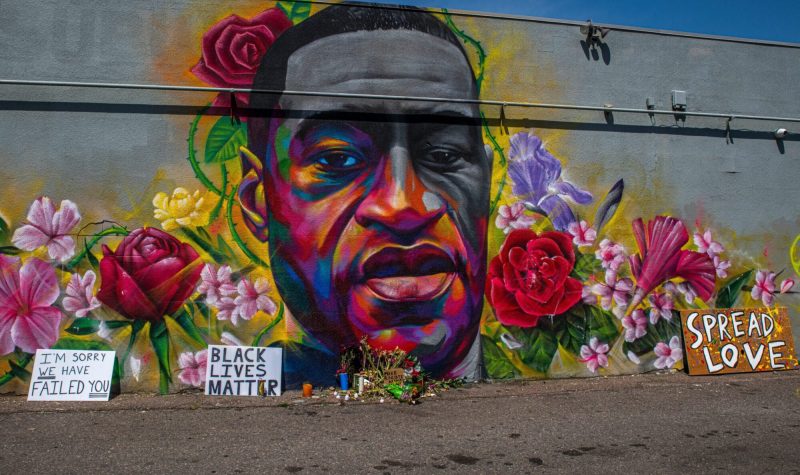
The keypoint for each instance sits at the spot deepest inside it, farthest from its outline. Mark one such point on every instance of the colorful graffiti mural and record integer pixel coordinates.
(312, 222)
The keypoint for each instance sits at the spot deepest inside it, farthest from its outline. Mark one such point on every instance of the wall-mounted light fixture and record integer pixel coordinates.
(780, 133)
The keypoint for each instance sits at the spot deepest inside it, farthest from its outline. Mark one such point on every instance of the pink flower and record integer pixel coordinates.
(215, 284)
(635, 325)
(594, 355)
(80, 298)
(660, 258)
(587, 295)
(660, 307)
(721, 267)
(253, 297)
(687, 291)
(513, 217)
(764, 288)
(787, 285)
(193, 368)
(611, 253)
(49, 227)
(227, 310)
(668, 355)
(706, 244)
(613, 290)
(582, 233)
(28, 319)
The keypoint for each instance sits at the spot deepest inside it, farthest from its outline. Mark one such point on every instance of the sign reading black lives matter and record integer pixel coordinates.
(71, 375)
(243, 371)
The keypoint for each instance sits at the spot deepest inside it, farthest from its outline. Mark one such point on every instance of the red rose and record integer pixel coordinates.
(232, 50)
(530, 277)
(150, 275)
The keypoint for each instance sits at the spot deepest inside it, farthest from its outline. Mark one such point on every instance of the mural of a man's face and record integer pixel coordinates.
(377, 209)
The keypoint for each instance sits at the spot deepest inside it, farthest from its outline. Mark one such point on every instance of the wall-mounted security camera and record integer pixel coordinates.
(780, 133)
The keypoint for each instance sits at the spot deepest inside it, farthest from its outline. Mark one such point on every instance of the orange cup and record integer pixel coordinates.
(308, 389)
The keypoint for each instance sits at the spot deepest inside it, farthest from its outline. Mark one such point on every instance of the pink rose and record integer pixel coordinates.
(149, 275)
(232, 51)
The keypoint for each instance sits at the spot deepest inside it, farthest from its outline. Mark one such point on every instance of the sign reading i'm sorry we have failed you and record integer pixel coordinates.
(243, 371)
(738, 340)
(71, 375)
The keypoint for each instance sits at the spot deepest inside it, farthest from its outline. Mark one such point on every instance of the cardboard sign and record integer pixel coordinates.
(243, 371)
(71, 375)
(738, 340)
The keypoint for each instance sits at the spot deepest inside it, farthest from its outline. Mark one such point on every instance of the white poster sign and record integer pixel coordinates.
(71, 375)
(243, 371)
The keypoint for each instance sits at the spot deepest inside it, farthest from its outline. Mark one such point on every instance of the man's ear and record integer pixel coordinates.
(251, 194)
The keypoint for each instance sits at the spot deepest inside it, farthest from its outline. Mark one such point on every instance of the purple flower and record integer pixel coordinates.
(635, 325)
(537, 179)
(49, 227)
(513, 217)
(660, 307)
(764, 288)
(80, 298)
(594, 355)
(613, 290)
(582, 233)
(668, 355)
(193, 367)
(215, 284)
(611, 254)
(253, 296)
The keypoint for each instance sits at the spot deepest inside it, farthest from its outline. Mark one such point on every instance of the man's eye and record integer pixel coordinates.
(443, 156)
(340, 161)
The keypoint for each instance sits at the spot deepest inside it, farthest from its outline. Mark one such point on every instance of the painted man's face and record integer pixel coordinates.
(378, 208)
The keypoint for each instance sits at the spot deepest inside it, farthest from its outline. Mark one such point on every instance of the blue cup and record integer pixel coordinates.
(343, 382)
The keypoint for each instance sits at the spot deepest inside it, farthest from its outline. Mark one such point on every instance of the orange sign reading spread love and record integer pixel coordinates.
(738, 340)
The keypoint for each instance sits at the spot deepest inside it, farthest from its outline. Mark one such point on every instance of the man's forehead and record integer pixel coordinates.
(381, 62)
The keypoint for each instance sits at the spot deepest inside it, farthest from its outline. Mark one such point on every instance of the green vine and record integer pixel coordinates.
(270, 326)
(198, 172)
(112, 231)
(235, 234)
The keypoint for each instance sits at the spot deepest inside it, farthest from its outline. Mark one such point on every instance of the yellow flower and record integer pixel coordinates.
(183, 208)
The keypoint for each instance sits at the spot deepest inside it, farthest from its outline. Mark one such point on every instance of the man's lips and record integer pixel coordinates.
(409, 274)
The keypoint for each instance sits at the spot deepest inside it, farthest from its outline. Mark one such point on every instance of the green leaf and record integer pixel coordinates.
(295, 11)
(609, 205)
(90, 257)
(4, 230)
(226, 249)
(18, 371)
(496, 364)
(10, 250)
(602, 324)
(159, 337)
(136, 326)
(729, 293)
(185, 321)
(224, 140)
(270, 326)
(661, 331)
(586, 265)
(113, 324)
(538, 347)
(83, 326)
(582, 322)
(571, 330)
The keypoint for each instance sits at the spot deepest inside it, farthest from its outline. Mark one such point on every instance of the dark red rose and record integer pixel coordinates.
(150, 275)
(232, 50)
(530, 277)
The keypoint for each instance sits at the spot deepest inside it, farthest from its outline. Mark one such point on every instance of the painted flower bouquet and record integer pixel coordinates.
(568, 301)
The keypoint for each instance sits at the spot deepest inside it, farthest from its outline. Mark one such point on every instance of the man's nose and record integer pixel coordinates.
(398, 200)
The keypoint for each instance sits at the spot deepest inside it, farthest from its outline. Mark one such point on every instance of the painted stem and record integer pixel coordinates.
(218, 257)
(113, 231)
(198, 172)
(235, 235)
(270, 326)
(470, 41)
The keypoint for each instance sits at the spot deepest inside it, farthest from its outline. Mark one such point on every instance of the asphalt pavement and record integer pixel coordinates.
(655, 423)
